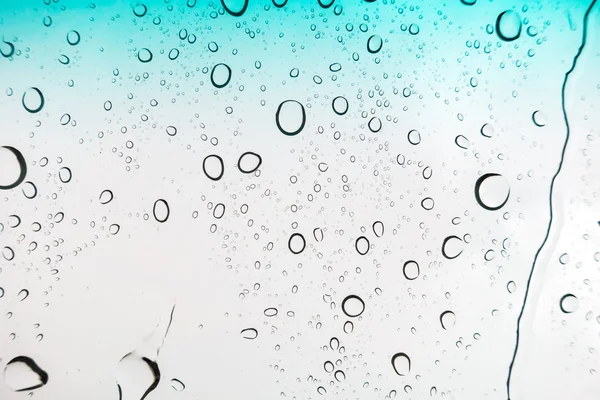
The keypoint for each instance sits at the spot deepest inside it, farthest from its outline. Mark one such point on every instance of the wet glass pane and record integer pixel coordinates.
(263, 199)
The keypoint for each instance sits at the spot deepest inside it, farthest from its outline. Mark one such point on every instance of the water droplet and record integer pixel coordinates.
(161, 210)
(29, 189)
(335, 67)
(378, 228)
(65, 174)
(113, 229)
(63, 59)
(219, 211)
(290, 117)
(321, 390)
(508, 26)
(539, 118)
(447, 319)
(318, 234)
(271, 312)
(140, 10)
(13, 168)
(374, 44)
(73, 38)
(328, 366)
(340, 105)
(492, 191)
(411, 270)
(249, 162)
(279, 3)
(177, 385)
(326, 3)
(468, 2)
(427, 203)
(487, 130)
(237, 8)
(296, 243)
(362, 245)
(7, 49)
(8, 254)
(569, 303)
(414, 137)
(452, 247)
(375, 124)
(353, 306)
(47, 21)
(145, 55)
(106, 196)
(334, 343)
(249, 333)
(23, 294)
(33, 100)
(213, 167)
(348, 327)
(173, 54)
(14, 221)
(462, 142)
(511, 286)
(339, 375)
(220, 75)
(213, 47)
(413, 29)
(23, 374)
(564, 258)
(401, 364)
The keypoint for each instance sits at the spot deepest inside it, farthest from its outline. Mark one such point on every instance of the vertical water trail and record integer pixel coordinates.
(560, 164)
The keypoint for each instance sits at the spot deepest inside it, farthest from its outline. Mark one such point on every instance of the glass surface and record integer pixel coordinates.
(263, 199)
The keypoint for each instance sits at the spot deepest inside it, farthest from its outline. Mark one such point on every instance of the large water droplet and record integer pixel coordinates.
(353, 306)
(401, 364)
(23, 374)
(290, 117)
(340, 105)
(140, 10)
(378, 228)
(220, 75)
(362, 245)
(508, 25)
(7, 49)
(374, 44)
(145, 55)
(487, 130)
(177, 385)
(249, 333)
(296, 243)
(539, 118)
(249, 162)
(161, 210)
(73, 38)
(13, 168)
(237, 8)
(33, 100)
(452, 247)
(569, 303)
(414, 137)
(492, 191)
(213, 167)
(447, 319)
(106, 196)
(411, 270)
